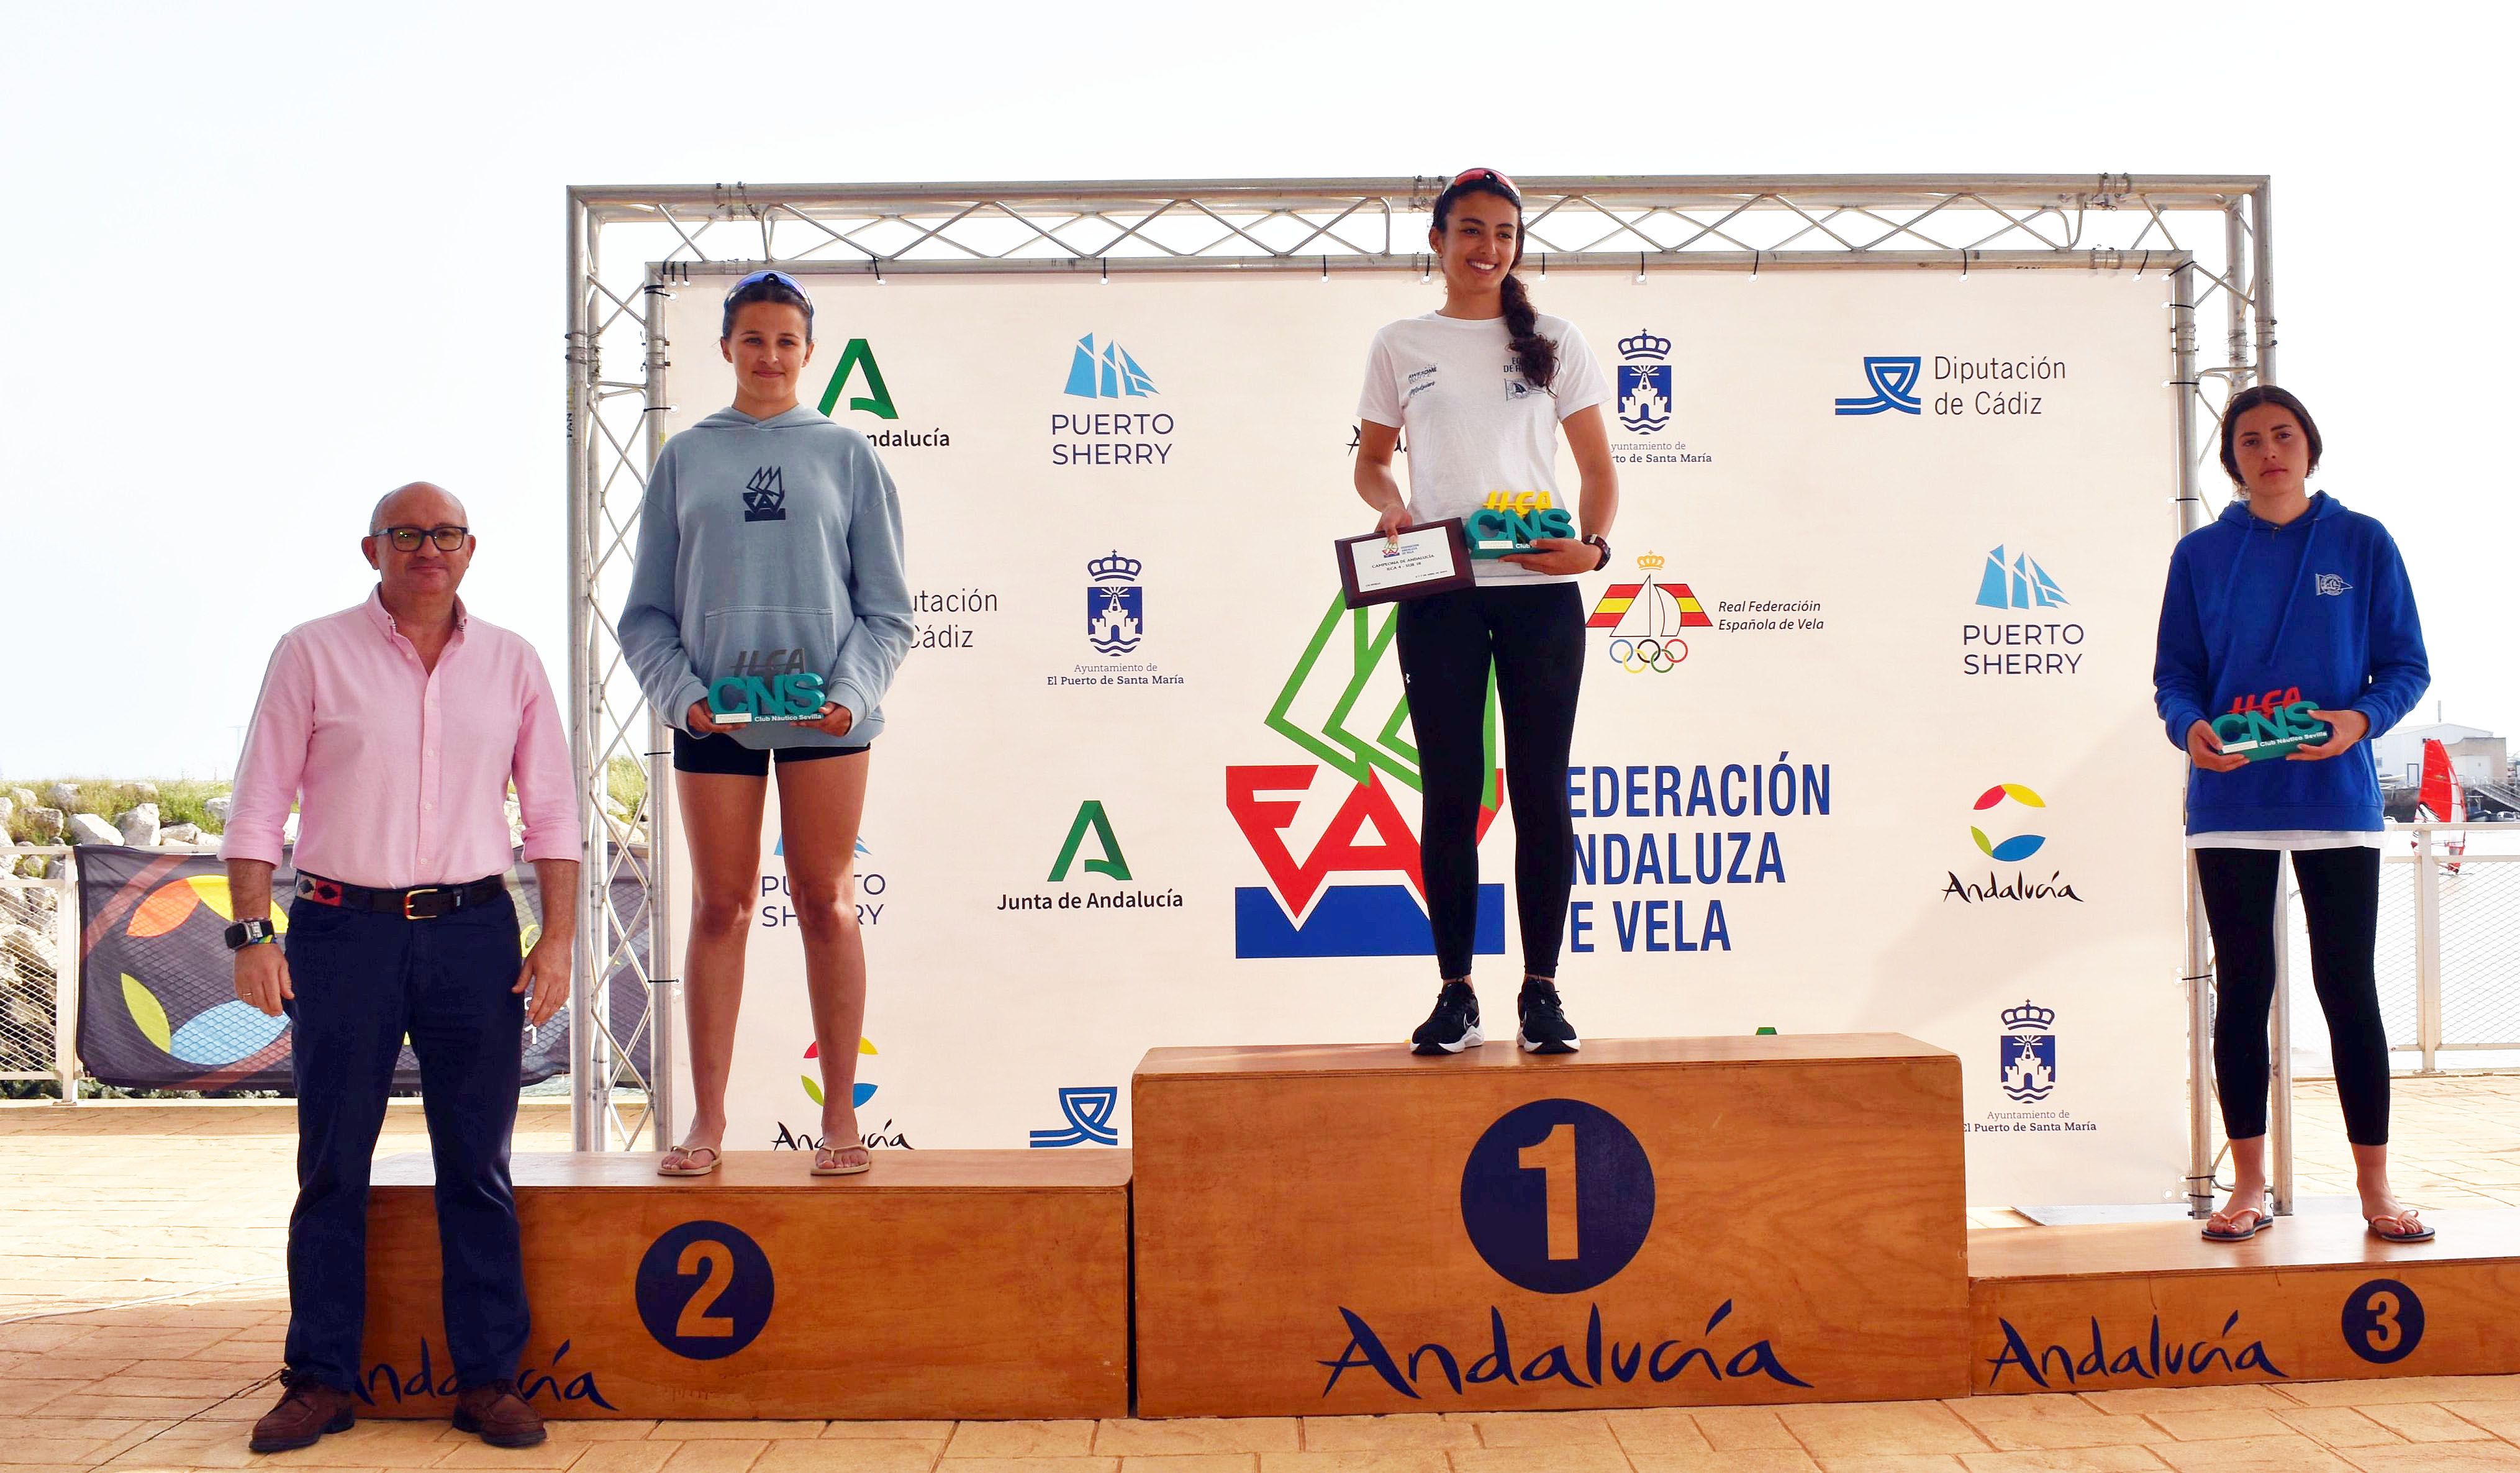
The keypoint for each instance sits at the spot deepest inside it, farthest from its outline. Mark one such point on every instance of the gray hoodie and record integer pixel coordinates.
(769, 547)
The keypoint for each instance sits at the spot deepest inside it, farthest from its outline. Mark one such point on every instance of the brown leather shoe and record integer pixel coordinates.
(308, 1409)
(499, 1415)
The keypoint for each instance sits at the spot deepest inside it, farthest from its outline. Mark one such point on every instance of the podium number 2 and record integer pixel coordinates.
(1554, 1156)
(719, 1262)
(2384, 1321)
(705, 1290)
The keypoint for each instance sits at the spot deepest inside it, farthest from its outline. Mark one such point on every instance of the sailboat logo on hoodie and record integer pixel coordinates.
(765, 496)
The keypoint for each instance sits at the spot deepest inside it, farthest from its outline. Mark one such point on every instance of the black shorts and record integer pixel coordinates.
(718, 752)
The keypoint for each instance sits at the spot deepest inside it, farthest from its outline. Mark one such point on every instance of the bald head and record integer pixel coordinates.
(420, 503)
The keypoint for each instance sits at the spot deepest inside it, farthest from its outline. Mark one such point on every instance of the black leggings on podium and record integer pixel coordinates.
(1534, 633)
(2340, 898)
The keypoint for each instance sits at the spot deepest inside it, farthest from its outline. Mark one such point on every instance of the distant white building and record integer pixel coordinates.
(2476, 755)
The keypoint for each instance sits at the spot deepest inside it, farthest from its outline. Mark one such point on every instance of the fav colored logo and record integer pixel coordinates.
(2019, 846)
(1893, 377)
(2027, 1051)
(1355, 890)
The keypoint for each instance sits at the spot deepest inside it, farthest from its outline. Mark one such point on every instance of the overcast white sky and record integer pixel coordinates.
(262, 262)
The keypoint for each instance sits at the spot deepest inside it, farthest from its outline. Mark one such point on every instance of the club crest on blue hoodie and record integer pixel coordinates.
(2255, 612)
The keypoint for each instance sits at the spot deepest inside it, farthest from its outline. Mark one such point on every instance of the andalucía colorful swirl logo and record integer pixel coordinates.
(2021, 845)
(859, 1094)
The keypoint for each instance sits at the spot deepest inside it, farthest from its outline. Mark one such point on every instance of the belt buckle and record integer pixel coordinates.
(408, 896)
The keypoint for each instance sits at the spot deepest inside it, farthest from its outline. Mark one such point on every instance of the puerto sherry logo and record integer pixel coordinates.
(1645, 383)
(1116, 605)
(1092, 826)
(1109, 437)
(1894, 386)
(1642, 622)
(1355, 890)
(871, 886)
(765, 496)
(1996, 806)
(1989, 647)
(2026, 1052)
(1089, 1110)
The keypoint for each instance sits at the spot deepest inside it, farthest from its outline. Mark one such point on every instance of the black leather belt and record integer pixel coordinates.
(418, 903)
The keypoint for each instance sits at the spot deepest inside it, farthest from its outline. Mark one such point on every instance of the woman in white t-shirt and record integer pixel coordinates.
(1482, 385)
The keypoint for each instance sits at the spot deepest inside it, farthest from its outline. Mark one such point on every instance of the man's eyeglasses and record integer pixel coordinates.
(408, 539)
(781, 277)
(1489, 176)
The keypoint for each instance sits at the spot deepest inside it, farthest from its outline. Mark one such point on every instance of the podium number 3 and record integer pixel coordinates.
(1555, 1156)
(718, 1260)
(2384, 1321)
(705, 1290)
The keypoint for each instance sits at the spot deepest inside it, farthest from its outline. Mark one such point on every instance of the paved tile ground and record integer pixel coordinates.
(141, 1316)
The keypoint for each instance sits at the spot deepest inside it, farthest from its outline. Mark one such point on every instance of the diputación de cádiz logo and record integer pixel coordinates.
(1893, 376)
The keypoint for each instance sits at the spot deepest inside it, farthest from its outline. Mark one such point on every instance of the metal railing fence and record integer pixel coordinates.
(39, 972)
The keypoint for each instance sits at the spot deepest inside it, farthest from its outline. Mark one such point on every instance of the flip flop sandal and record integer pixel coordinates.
(2262, 1220)
(2414, 1230)
(689, 1155)
(834, 1151)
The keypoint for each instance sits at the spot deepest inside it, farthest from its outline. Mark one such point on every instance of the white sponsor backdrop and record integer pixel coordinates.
(1846, 549)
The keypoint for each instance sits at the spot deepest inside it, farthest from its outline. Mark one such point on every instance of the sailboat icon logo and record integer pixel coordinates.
(2018, 583)
(1108, 374)
(1645, 621)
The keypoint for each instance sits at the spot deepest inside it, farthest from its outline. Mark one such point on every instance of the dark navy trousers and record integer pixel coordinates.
(364, 980)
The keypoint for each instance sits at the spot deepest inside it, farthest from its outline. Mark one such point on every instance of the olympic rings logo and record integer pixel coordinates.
(1637, 656)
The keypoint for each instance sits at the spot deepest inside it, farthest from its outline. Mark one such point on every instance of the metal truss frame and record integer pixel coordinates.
(2210, 237)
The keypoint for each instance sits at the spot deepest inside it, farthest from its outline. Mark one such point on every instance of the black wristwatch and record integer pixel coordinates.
(245, 933)
(1603, 544)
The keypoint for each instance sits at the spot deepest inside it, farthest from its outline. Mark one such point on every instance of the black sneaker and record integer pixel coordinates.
(1545, 1029)
(1453, 1026)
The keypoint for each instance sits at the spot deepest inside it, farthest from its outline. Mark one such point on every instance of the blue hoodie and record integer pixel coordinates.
(2254, 611)
(769, 546)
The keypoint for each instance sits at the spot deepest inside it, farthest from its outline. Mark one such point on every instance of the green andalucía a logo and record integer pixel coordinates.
(876, 400)
(1091, 817)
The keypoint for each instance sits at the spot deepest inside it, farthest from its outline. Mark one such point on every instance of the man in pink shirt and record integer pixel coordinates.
(396, 727)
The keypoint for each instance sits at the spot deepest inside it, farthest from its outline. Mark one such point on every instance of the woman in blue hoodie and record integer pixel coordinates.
(769, 570)
(2289, 607)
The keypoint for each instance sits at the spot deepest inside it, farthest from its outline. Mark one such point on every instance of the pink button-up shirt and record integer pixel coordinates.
(401, 773)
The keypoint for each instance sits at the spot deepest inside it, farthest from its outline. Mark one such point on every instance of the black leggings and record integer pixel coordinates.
(1535, 635)
(2340, 898)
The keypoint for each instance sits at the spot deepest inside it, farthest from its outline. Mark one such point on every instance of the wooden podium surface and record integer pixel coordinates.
(2314, 1298)
(938, 1284)
(1353, 1228)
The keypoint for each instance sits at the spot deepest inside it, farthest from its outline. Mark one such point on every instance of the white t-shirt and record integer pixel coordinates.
(1473, 427)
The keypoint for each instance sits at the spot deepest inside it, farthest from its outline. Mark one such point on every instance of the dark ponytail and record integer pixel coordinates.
(1535, 357)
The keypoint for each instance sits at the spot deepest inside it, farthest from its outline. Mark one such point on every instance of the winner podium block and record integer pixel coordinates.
(940, 1284)
(2313, 1297)
(1671, 1222)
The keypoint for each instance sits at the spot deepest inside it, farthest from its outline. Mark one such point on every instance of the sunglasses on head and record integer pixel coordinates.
(1487, 176)
(781, 277)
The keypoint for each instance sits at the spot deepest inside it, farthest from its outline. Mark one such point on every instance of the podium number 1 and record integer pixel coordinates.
(719, 1262)
(1554, 1156)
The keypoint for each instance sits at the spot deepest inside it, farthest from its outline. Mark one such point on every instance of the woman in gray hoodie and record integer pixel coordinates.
(768, 584)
